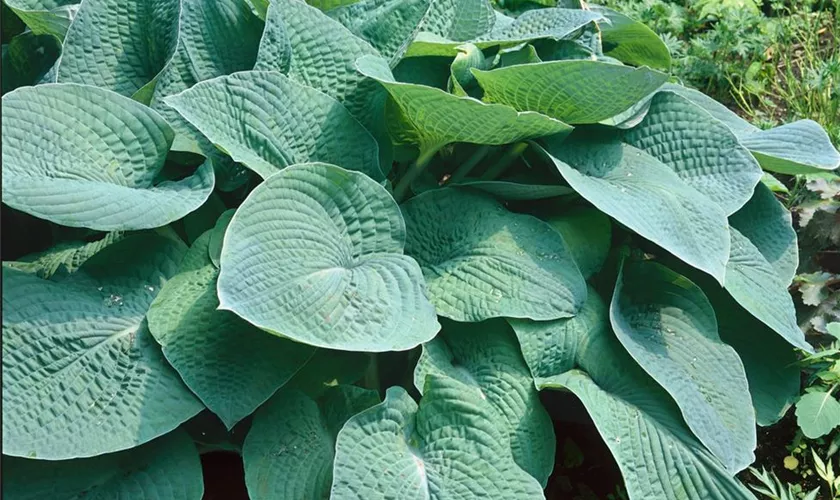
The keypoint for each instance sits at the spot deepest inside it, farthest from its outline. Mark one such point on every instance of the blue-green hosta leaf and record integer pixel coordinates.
(648, 197)
(486, 357)
(817, 414)
(768, 225)
(288, 453)
(800, 147)
(45, 17)
(315, 253)
(217, 236)
(488, 262)
(328, 368)
(700, 149)
(120, 45)
(449, 447)
(388, 25)
(554, 88)
(319, 52)
(668, 326)
(433, 118)
(231, 365)
(657, 454)
(517, 188)
(555, 23)
(458, 20)
(632, 42)
(82, 156)
(167, 467)
(278, 123)
(28, 59)
(588, 234)
(66, 256)
(82, 374)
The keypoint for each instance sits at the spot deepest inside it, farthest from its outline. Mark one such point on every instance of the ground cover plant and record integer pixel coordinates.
(367, 246)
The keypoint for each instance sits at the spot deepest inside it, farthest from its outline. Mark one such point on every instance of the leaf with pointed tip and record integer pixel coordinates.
(801, 147)
(553, 88)
(82, 374)
(588, 234)
(217, 237)
(344, 283)
(231, 365)
(327, 369)
(81, 156)
(66, 256)
(632, 42)
(700, 149)
(27, 59)
(486, 357)
(388, 25)
(668, 326)
(433, 118)
(489, 262)
(449, 447)
(319, 52)
(647, 196)
(45, 17)
(279, 122)
(120, 45)
(289, 451)
(167, 467)
(817, 414)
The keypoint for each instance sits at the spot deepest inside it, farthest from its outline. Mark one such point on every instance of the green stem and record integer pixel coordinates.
(468, 165)
(413, 172)
(371, 379)
(505, 161)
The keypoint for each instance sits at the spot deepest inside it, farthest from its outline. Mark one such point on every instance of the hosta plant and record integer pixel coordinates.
(371, 239)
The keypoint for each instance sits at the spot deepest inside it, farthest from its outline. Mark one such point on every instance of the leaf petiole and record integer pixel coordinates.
(509, 156)
(426, 155)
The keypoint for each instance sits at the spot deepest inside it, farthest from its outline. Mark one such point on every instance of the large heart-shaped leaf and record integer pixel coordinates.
(167, 467)
(82, 374)
(315, 253)
(488, 262)
(120, 45)
(289, 451)
(486, 357)
(82, 156)
(45, 17)
(447, 448)
(668, 326)
(231, 365)
(700, 149)
(646, 196)
(554, 88)
(277, 123)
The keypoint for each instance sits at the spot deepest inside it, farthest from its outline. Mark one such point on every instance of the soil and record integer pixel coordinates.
(224, 476)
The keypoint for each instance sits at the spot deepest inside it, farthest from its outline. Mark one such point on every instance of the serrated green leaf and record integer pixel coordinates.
(632, 42)
(485, 356)
(27, 59)
(114, 390)
(647, 196)
(231, 365)
(700, 149)
(817, 414)
(100, 176)
(489, 262)
(45, 17)
(554, 88)
(449, 447)
(167, 467)
(668, 326)
(344, 283)
(120, 45)
(289, 451)
(66, 256)
(433, 118)
(296, 123)
(588, 234)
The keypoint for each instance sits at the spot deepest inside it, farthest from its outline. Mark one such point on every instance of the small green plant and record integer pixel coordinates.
(773, 488)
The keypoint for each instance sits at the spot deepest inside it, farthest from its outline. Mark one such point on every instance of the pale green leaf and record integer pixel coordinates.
(588, 234)
(817, 414)
(315, 253)
(82, 156)
(279, 123)
(217, 236)
(486, 357)
(774, 183)
(82, 375)
(517, 188)
(66, 256)
(167, 467)
(555, 88)
(327, 369)
(488, 262)
(231, 365)
(458, 20)
(45, 17)
(632, 42)
(449, 447)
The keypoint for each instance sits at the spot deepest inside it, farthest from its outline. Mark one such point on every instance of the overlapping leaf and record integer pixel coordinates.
(632, 42)
(82, 156)
(82, 374)
(488, 262)
(588, 234)
(29, 59)
(45, 17)
(315, 253)
(63, 257)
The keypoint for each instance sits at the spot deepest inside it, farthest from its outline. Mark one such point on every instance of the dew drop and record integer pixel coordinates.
(150, 288)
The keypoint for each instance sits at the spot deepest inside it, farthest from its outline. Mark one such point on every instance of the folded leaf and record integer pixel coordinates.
(66, 256)
(485, 356)
(631, 42)
(81, 156)
(45, 17)
(82, 374)
(458, 20)
(315, 253)
(488, 262)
